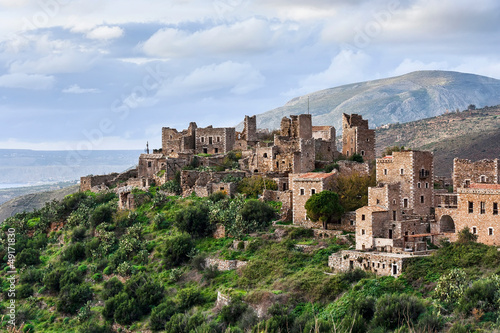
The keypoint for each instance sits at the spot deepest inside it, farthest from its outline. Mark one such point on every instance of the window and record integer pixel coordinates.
(402, 171)
(302, 192)
(385, 172)
(149, 164)
(482, 207)
(209, 140)
(394, 215)
(426, 185)
(362, 153)
(362, 231)
(218, 139)
(483, 179)
(495, 208)
(216, 150)
(474, 230)
(265, 155)
(405, 203)
(313, 191)
(390, 233)
(378, 201)
(471, 207)
(490, 231)
(394, 269)
(418, 184)
(205, 150)
(202, 139)
(422, 199)
(352, 222)
(394, 201)
(363, 217)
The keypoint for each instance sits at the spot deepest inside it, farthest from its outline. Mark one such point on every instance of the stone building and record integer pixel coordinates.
(414, 170)
(211, 140)
(466, 172)
(357, 138)
(174, 142)
(248, 137)
(303, 187)
(325, 143)
(475, 207)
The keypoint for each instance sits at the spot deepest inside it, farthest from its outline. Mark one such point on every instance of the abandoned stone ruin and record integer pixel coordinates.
(405, 213)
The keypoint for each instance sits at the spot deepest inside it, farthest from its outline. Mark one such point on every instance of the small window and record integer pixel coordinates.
(483, 179)
(471, 207)
(218, 139)
(170, 137)
(362, 153)
(149, 164)
(313, 191)
(385, 172)
(418, 184)
(495, 208)
(394, 201)
(474, 230)
(394, 215)
(302, 192)
(362, 231)
(205, 150)
(363, 217)
(265, 155)
(378, 201)
(490, 231)
(202, 139)
(352, 222)
(422, 199)
(216, 150)
(402, 171)
(405, 203)
(426, 185)
(482, 207)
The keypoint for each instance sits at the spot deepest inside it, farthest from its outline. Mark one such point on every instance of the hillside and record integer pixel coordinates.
(467, 134)
(32, 201)
(83, 266)
(405, 98)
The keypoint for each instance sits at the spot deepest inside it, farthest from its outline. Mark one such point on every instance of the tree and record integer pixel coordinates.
(465, 236)
(255, 185)
(357, 158)
(324, 207)
(353, 190)
(194, 220)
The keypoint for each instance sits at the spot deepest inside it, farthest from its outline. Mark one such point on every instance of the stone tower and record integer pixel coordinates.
(357, 138)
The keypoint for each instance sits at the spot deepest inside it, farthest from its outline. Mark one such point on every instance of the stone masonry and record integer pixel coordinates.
(466, 172)
(357, 138)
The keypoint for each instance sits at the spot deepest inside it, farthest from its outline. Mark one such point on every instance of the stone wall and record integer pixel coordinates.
(357, 138)
(150, 165)
(303, 186)
(385, 264)
(225, 265)
(87, 182)
(285, 197)
(483, 171)
(202, 182)
(211, 140)
(369, 225)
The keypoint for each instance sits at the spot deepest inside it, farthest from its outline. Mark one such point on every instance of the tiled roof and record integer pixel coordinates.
(314, 175)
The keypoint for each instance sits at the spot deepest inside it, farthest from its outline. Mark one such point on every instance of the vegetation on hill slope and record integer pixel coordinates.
(84, 266)
(472, 134)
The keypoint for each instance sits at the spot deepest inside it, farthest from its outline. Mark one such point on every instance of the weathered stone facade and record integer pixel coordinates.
(466, 172)
(211, 140)
(303, 187)
(204, 183)
(357, 138)
(414, 170)
(385, 264)
(225, 265)
(325, 143)
(475, 207)
(285, 197)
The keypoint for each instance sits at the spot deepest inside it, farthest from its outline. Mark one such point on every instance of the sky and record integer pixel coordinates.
(93, 75)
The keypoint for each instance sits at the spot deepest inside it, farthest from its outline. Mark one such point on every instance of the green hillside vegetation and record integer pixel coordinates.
(471, 134)
(85, 266)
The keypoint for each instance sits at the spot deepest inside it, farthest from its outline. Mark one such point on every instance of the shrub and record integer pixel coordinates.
(31, 275)
(146, 291)
(194, 220)
(24, 291)
(451, 287)
(189, 297)
(74, 252)
(298, 233)
(102, 213)
(391, 311)
(176, 249)
(72, 297)
(465, 236)
(231, 313)
(160, 222)
(111, 288)
(28, 257)
(217, 196)
(255, 210)
(78, 234)
(161, 315)
(97, 277)
(329, 168)
(484, 295)
(253, 186)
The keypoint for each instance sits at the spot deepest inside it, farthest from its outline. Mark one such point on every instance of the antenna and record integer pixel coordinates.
(147, 147)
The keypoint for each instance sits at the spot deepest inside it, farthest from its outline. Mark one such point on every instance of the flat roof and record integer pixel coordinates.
(314, 175)
(485, 186)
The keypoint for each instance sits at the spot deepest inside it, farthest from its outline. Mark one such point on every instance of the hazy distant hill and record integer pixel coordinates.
(400, 99)
(33, 201)
(19, 166)
(469, 134)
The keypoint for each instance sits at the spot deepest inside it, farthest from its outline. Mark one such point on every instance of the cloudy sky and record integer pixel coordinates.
(88, 74)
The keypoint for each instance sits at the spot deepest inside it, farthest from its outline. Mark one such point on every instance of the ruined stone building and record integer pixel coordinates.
(357, 138)
(474, 202)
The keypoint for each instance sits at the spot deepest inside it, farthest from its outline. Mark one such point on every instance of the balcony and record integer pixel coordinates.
(424, 173)
(447, 200)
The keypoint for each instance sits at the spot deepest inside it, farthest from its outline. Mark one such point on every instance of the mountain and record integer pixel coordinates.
(471, 134)
(30, 202)
(404, 98)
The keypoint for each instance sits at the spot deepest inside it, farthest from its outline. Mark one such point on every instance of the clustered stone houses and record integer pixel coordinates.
(289, 159)
(404, 211)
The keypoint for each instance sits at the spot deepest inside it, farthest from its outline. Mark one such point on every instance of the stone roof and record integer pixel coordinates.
(374, 209)
(152, 156)
(314, 175)
(483, 186)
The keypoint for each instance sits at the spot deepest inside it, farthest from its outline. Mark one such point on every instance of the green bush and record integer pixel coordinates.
(391, 311)
(146, 291)
(28, 257)
(74, 252)
(72, 297)
(194, 220)
(112, 287)
(31, 275)
(78, 234)
(253, 186)
(24, 291)
(259, 211)
(231, 313)
(329, 168)
(189, 297)
(175, 250)
(299, 233)
(161, 315)
(101, 214)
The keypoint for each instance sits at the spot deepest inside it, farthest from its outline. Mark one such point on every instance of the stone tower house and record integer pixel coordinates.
(357, 138)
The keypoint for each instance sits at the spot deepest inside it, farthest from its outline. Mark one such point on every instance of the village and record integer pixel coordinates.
(406, 216)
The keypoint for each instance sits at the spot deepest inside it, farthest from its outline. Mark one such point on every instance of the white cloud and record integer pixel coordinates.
(244, 37)
(105, 33)
(237, 78)
(69, 62)
(76, 89)
(346, 67)
(26, 81)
